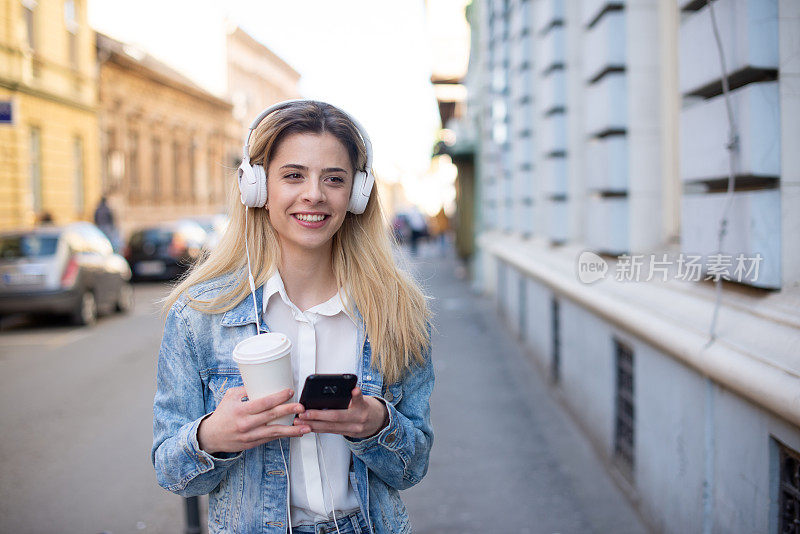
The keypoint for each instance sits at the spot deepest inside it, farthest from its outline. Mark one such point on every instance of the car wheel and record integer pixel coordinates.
(125, 298)
(86, 313)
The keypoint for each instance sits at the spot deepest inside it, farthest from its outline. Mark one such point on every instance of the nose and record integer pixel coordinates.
(313, 192)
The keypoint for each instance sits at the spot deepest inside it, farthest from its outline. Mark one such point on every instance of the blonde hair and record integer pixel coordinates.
(393, 307)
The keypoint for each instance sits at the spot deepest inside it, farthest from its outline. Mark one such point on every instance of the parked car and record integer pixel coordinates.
(164, 251)
(70, 269)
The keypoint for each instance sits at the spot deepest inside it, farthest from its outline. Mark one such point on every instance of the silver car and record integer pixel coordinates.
(69, 269)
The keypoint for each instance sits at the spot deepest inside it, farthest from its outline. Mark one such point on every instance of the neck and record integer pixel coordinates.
(307, 276)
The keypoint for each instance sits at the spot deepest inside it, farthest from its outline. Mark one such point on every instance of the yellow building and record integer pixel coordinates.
(49, 155)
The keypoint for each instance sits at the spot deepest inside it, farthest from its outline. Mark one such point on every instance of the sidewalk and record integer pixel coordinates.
(506, 456)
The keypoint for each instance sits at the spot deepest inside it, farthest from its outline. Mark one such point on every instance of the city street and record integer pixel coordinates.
(77, 415)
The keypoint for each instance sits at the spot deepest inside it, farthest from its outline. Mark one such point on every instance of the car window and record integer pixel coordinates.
(157, 236)
(27, 246)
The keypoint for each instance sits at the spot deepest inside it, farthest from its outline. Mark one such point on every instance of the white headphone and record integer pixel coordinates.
(253, 178)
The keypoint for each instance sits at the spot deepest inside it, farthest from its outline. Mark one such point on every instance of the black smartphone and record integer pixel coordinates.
(328, 392)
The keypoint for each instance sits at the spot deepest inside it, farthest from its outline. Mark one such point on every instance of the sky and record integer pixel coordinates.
(370, 57)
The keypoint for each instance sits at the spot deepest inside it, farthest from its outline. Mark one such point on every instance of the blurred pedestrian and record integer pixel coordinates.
(325, 277)
(104, 219)
(419, 228)
(44, 218)
(440, 229)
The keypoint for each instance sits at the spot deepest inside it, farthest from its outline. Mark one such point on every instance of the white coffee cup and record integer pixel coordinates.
(265, 363)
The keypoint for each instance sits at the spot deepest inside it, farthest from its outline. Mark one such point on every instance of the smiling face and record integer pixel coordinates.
(309, 179)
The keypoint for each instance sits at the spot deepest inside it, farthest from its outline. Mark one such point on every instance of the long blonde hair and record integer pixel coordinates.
(393, 307)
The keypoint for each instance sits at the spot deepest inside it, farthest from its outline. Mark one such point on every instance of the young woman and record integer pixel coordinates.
(325, 276)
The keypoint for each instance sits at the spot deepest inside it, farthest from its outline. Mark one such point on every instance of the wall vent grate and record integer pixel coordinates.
(624, 419)
(555, 362)
(789, 491)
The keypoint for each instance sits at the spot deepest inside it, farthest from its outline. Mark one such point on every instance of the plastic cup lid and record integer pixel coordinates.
(262, 348)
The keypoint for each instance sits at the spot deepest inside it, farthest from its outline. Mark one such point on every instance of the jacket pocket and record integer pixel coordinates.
(217, 382)
(392, 394)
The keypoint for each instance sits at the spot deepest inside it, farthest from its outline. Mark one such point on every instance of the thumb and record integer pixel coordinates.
(357, 397)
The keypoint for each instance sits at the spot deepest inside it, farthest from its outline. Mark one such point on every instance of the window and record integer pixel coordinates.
(29, 14)
(77, 163)
(624, 418)
(71, 23)
(212, 175)
(156, 169)
(176, 171)
(35, 168)
(192, 179)
(133, 166)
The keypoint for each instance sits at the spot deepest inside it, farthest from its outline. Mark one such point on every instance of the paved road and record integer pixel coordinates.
(77, 424)
(76, 415)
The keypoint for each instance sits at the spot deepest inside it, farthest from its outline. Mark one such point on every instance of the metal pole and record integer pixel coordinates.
(192, 515)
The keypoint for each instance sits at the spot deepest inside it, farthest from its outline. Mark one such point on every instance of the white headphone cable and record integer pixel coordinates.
(250, 273)
(288, 488)
(328, 480)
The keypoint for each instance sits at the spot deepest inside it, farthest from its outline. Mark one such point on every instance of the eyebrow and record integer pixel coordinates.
(304, 168)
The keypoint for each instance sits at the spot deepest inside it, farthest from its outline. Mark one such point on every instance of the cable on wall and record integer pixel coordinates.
(733, 151)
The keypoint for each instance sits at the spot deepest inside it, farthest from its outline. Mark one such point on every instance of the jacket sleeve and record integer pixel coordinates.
(181, 466)
(399, 453)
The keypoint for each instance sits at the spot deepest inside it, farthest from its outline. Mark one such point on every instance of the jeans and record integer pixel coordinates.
(352, 523)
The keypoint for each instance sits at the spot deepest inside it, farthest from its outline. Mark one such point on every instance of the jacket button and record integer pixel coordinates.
(390, 438)
(389, 396)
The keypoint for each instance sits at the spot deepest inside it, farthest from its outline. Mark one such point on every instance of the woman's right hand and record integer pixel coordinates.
(236, 426)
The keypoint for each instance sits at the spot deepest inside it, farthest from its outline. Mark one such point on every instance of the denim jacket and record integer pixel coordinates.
(248, 490)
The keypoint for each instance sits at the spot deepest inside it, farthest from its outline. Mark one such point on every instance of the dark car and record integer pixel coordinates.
(69, 269)
(164, 251)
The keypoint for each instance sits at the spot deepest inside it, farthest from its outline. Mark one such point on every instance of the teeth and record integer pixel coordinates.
(309, 218)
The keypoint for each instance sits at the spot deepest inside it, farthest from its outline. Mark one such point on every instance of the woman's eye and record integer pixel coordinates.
(336, 179)
(293, 176)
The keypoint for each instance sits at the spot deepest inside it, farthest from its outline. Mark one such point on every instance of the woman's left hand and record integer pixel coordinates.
(365, 417)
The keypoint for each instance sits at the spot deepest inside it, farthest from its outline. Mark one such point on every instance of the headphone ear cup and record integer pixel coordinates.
(252, 184)
(260, 186)
(362, 187)
(247, 190)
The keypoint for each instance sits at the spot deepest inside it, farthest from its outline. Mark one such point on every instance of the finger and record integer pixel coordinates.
(325, 427)
(270, 401)
(268, 416)
(264, 434)
(324, 415)
(236, 392)
(357, 396)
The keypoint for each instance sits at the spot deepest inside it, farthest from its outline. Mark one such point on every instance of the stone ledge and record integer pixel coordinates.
(755, 353)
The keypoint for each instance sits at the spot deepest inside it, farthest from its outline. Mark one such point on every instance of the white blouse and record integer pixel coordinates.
(324, 340)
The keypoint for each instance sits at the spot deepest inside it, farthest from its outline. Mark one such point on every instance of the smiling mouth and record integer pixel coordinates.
(309, 218)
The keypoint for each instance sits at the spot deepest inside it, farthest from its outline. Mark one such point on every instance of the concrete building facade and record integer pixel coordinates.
(49, 160)
(167, 145)
(603, 181)
(257, 77)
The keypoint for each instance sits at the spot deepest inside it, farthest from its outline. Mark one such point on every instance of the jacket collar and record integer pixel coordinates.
(243, 313)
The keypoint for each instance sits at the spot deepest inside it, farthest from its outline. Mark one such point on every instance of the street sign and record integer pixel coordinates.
(6, 112)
